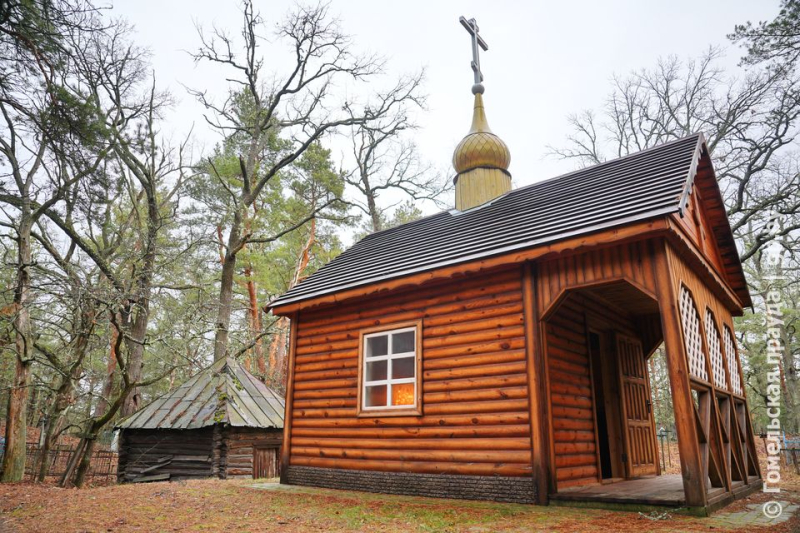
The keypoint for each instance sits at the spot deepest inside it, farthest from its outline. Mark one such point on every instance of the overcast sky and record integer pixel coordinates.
(546, 59)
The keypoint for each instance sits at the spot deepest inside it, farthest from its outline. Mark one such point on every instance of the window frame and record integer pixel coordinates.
(390, 410)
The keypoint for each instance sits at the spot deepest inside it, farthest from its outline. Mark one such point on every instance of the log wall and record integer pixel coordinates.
(239, 447)
(183, 454)
(475, 395)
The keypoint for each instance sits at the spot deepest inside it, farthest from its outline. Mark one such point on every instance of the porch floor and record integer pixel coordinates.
(664, 490)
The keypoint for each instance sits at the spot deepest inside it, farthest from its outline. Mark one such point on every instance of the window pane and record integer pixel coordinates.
(376, 370)
(403, 342)
(377, 345)
(376, 396)
(403, 367)
(403, 394)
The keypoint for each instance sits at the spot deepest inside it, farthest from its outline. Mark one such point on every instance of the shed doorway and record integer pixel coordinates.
(265, 463)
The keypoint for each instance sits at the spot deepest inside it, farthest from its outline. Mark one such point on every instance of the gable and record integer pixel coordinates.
(704, 220)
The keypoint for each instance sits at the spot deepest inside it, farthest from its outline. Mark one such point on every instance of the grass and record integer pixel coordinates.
(215, 505)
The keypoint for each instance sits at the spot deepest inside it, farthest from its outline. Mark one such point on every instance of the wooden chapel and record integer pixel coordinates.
(499, 350)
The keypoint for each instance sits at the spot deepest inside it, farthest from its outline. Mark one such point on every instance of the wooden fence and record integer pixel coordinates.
(102, 469)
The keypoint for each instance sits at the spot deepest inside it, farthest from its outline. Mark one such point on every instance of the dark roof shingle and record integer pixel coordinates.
(633, 188)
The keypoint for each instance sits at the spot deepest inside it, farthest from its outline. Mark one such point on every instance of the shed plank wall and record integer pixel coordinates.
(142, 448)
(239, 445)
(475, 394)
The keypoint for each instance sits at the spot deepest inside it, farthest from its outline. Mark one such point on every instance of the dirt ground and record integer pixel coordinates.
(215, 505)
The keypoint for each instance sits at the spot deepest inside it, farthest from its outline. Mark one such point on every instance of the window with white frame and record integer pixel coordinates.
(390, 369)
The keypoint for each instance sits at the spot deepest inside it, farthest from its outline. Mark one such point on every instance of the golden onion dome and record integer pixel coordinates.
(480, 148)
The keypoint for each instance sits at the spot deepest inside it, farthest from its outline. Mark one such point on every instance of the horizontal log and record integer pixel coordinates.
(148, 479)
(343, 373)
(411, 433)
(326, 384)
(554, 352)
(457, 338)
(194, 458)
(347, 392)
(505, 393)
(572, 413)
(422, 467)
(562, 377)
(569, 423)
(568, 400)
(568, 368)
(569, 388)
(573, 460)
(325, 413)
(325, 347)
(509, 308)
(579, 482)
(575, 472)
(492, 406)
(474, 371)
(475, 383)
(505, 356)
(416, 444)
(406, 454)
(515, 343)
(326, 356)
(325, 403)
(476, 324)
(567, 448)
(335, 364)
(484, 419)
(571, 435)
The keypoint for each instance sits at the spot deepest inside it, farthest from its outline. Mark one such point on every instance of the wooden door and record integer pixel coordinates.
(640, 457)
(265, 463)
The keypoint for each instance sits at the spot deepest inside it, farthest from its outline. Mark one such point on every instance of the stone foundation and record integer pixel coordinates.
(494, 488)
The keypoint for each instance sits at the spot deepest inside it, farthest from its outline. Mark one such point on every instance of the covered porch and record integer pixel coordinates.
(602, 316)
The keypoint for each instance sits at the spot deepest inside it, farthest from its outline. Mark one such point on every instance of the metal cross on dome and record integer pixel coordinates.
(471, 26)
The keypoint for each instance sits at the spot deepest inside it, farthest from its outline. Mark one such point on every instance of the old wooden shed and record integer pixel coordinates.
(223, 422)
(500, 350)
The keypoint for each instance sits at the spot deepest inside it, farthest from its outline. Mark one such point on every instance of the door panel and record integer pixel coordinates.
(640, 457)
(265, 463)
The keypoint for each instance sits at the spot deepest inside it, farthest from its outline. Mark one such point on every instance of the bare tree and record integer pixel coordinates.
(750, 126)
(269, 124)
(386, 162)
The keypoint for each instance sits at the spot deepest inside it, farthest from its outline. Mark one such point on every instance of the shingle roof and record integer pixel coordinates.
(223, 393)
(640, 186)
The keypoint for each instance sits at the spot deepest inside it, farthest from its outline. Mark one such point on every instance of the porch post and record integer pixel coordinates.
(537, 387)
(286, 444)
(688, 444)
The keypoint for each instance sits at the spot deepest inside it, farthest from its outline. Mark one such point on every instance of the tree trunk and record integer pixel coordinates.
(226, 290)
(255, 322)
(111, 368)
(17, 414)
(372, 206)
(16, 430)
